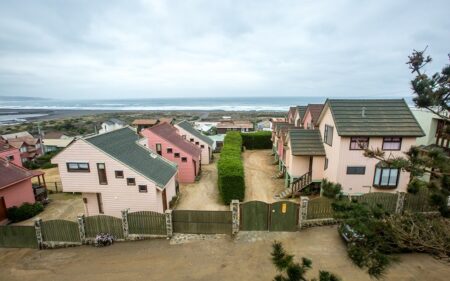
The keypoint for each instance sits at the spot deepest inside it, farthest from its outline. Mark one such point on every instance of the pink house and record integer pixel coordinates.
(10, 153)
(189, 133)
(311, 116)
(165, 140)
(114, 172)
(29, 146)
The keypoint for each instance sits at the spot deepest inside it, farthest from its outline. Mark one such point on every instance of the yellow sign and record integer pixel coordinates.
(283, 208)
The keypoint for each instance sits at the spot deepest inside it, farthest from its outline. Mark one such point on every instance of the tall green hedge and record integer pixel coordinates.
(257, 140)
(231, 169)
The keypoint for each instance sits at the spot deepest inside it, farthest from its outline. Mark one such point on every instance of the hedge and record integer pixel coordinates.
(257, 140)
(24, 212)
(231, 169)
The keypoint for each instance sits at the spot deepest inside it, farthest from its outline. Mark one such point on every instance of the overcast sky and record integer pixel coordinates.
(121, 49)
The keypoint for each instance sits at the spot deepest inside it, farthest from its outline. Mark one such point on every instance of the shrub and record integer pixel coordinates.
(257, 140)
(230, 169)
(24, 212)
(331, 190)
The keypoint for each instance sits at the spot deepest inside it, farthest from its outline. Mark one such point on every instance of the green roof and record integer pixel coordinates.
(306, 142)
(377, 117)
(188, 127)
(122, 145)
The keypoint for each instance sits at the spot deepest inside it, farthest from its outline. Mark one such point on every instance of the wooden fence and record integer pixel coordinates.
(60, 231)
(103, 224)
(320, 208)
(147, 223)
(15, 236)
(201, 222)
(419, 202)
(387, 200)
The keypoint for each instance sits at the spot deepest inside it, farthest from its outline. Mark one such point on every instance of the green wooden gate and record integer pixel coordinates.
(18, 236)
(103, 224)
(60, 231)
(201, 222)
(146, 222)
(254, 216)
(283, 216)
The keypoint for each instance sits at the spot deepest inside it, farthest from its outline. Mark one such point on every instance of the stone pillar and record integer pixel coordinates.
(169, 225)
(235, 216)
(81, 229)
(125, 228)
(400, 202)
(37, 228)
(303, 210)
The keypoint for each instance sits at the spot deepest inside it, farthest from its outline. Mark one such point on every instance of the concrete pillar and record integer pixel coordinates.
(169, 224)
(38, 229)
(235, 216)
(303, 210)
(81, 229)
(400, 202)
(125, 228)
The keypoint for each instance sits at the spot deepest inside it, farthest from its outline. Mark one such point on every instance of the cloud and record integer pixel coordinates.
(108, 49)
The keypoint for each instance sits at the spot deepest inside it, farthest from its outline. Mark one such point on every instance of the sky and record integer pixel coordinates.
(149, 49)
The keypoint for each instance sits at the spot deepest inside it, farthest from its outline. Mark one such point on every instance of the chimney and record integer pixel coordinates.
(363, 112)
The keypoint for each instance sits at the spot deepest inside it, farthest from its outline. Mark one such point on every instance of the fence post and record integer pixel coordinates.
(125, 228)
(81, 229)
(38, 229)
(400, 202)
(169, 223)
(303, 210)
(235, 216)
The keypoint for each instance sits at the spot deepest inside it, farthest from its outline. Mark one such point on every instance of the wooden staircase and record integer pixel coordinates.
(296, 186)
(279, 175)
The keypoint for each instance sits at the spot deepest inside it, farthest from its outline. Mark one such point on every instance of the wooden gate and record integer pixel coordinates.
(103, 224)
(18, 236)
(283, 216)
(254, 216)
(146, 222)
(60, 231)
(201, 222)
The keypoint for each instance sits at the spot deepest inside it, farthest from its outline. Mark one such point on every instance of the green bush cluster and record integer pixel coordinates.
(231, 169)
(257, 140)
(41, 162)
(24, 212)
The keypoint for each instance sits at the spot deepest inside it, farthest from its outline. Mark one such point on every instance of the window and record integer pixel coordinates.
(119, 174)
(158, 149)
(359, 143)
(183, 159)
(176, 155)
(169, 150)
(191, 140)
(392, 143)
(131, 181)
(101, 169)
(23, 149)
(326, 164)
(328, 135)
(10, 157)
(386, 177)
(197, 143)
(78, 167)
(202, 146)
(142, 188)
(356, 170)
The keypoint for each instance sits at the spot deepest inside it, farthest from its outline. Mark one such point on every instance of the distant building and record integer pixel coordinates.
(189, 133)
(264, 125)
(433, 126)
(54, 141)
(141, 124)
(10, 153)
(242, 126)
(29, 146)
(217, 142)
(111, 125)
(205, 126)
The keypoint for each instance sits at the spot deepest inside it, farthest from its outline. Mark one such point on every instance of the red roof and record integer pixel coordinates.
(315, 110)
(12, 173)
(170, 133)
(4, 146)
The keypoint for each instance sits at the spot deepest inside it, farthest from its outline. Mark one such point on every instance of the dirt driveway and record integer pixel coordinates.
(204, 194)
(259, 171)
(246, 258)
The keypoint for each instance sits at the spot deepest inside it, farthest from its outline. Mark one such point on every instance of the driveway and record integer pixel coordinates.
(259, 171)
(246, 258)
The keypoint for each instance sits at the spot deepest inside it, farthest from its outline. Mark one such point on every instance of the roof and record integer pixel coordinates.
(12, 173)
(58, 142)
(18, 142)
(315, 110)
(53, 135)
(122, 145)
(167, 120)
(168, 132)
(235, 124)
(305, 142)
(4, 146)
(145, 122)
(185, 125)
(283, 127)
(17, 135)
(378, 117)
(301, 109)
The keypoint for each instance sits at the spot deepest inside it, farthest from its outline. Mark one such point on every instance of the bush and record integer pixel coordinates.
(24, 212)
(230, 169)
(331, 190)
(257, 140)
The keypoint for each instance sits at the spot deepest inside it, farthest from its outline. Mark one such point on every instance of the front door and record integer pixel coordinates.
(164, 200)
(3, 215)
(283, 216)
(100, 203)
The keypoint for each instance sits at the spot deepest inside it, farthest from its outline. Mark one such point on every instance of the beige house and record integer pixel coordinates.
(189, 133)
(334, 150)
(114, 172)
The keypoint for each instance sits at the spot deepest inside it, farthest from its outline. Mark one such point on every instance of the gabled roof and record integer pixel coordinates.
(301, 110)
(17, 135)
(305, 142)
(377, 117)
(283, 127)
(4, 146)
(169, 133)
(315, 110)
(12, 173)
(54, 135)
(145, 121)
(188, 127)
(122, 145)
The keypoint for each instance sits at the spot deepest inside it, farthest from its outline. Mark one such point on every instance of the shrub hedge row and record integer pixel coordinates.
(231, 169)
(257, 140)
(24, 212)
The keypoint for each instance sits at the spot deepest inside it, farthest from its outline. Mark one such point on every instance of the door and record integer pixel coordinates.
(195, 167)
(254, 216)
(3, 215)
(164, 200)
(310, 163)
(283, 216)
(100, 203)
